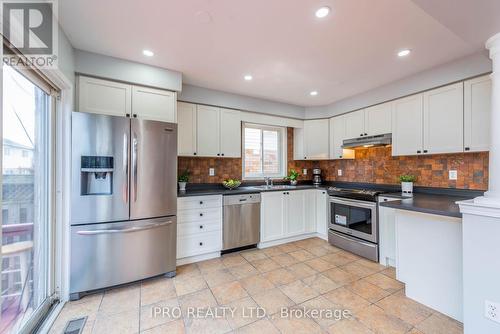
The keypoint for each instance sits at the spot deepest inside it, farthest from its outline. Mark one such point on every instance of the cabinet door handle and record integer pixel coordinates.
(135, 115)
(467, 148)
(201, 202)
(218, 154)
(418, 151)
(201, 227)
(305, 158)
(127, 115)
(222, 154)
(366, 134)
(425, 151)
(201, 214)
(201, 243)
(340, 156)
(194, 153)
(361, 135)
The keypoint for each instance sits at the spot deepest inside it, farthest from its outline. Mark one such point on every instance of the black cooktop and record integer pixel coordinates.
(359, 194)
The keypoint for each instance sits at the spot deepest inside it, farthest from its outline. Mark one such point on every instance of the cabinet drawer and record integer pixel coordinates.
(198, 227)
(188, 216)
(199, 202)
(197, 244)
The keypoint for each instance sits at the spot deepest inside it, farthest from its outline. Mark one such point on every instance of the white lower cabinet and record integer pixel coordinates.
(272, 215)
(310, 210)
(286, 214)
(387, 233)
(321, 205)
(199, 226)
(295, 209)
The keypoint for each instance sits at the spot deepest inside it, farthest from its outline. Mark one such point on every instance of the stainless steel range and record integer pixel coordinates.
(353, 224)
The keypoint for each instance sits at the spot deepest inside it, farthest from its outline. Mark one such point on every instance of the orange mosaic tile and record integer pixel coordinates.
(372, 165)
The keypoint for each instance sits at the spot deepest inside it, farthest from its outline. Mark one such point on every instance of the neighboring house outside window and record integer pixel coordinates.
(264, 151)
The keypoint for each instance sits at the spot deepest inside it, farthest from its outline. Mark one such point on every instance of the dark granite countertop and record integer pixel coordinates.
(437, 204)
(438, 201)
(219, 190)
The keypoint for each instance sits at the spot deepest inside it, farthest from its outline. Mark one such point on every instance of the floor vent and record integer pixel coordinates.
(75, 326)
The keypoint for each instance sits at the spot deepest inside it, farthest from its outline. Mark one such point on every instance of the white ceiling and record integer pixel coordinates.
(281, 43)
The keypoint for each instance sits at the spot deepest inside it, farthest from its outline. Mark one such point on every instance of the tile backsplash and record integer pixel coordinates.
(372, 165)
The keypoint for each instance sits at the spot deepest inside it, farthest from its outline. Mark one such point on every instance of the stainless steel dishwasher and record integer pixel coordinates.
(241, 221)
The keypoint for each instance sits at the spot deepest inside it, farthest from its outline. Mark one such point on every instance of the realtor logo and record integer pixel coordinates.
(30, 29)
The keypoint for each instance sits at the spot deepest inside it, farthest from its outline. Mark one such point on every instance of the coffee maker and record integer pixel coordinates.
(316, 176)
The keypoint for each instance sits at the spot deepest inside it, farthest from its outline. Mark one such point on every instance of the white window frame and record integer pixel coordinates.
(282, 151)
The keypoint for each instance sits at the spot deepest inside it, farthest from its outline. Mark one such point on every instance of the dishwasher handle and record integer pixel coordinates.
(241, 199)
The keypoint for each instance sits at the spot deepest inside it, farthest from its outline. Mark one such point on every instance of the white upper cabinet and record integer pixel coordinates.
(316, 139)
(186, 129)
(337, 136)
(378, 119)
(208, 131)
(112, 98)
(154, 104)
(355, 124)
(311, 142)
(477, 111)
(298, 144)
(444, 119)
(104, 97)
(230, 133)
(407, 118)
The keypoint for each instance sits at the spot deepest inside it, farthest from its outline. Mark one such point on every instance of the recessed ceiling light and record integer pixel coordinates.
(323, 11)
(313, 93)
(404, 53)
(148, 53)
(248, 77)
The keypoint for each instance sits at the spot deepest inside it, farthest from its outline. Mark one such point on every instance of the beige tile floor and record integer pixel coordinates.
(303, 275)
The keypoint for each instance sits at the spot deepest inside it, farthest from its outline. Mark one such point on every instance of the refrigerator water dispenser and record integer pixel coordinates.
(96, 175)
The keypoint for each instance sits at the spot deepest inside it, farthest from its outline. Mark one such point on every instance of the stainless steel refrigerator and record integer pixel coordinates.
(123, 201)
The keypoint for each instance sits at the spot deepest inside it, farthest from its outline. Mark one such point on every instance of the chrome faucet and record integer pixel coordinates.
(269, 181)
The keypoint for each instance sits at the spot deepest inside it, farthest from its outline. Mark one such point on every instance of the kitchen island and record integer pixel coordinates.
(429, 259)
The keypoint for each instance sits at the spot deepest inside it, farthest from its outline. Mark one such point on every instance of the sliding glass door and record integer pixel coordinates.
(27, 243)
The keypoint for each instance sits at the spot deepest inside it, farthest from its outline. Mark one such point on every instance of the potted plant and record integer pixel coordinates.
(292, 177)
(407, 183)
(183, 180)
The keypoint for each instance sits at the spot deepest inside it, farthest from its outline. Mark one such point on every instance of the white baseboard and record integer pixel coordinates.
(271, 243)
(197, 258)
(323, 236)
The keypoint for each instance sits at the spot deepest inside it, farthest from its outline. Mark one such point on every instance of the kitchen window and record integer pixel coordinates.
(264, 151)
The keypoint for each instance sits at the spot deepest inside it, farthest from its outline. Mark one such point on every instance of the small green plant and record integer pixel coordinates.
(184, 177)
(407, 178)
(292, 175)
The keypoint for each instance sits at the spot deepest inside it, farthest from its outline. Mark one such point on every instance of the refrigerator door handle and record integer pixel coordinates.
(134, 164)
(127, 230)
(125, 166)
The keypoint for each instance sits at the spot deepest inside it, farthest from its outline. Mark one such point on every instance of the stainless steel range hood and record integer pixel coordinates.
(369, 141)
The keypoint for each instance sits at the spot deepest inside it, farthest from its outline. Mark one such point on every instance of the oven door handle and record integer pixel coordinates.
(357, 240)
(353, 203)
